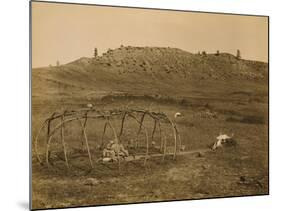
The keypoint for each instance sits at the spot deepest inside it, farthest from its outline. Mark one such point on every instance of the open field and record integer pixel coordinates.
(227, 103)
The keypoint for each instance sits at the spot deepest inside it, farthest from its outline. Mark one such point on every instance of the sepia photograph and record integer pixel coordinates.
(135, 105)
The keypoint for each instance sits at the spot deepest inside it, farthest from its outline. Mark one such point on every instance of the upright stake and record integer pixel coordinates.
(117, 142)
(175, 137)
(146, 135)
(179, 138)
(84, 125)
(122, 124)
(147, 146)
(48, 128)
(140, 127)
(86, 142)
(52, 134)
(160, 133)
(154, 128)
(104, 129)
(165, 147)
(49, 125)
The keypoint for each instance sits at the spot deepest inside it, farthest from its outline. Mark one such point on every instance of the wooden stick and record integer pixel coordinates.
(49, 128)
(49, 124)
(104, 129)
(86, 141)
(86, 119)
(57, 127)
(36, 141)
(47, 149)
(179, 138)
(154, 128)
(117, 142)
(114, 131)
(165, 147)
(140, 127)
(112, 112)
(122, 124)
(146, 135)
(160, 134)
(147, 146)
(84, 125)
(63, 143)
(175, 137)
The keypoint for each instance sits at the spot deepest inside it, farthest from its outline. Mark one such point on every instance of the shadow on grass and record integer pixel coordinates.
(247, 119)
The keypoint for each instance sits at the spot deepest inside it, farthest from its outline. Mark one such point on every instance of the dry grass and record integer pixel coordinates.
(239, 105)
(215, 174)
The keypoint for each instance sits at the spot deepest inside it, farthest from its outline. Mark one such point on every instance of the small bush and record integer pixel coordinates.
(184, 102)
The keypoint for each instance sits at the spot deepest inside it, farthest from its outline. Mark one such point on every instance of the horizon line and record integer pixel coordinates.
(123, 46)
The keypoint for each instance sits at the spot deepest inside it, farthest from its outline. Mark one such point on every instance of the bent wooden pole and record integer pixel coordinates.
(57, 127)
(160, 134)
(36, 142)
(175, 137)
(154, 128)
(113, 130)
(122, 124)
(84, 126)
(147, 146)
(116, 141)
(104, 130)
(140, 127)
(146, 135)
(49, 127)
(179, 137)
(49, 124)
(164, 147)
(86, 142)
(63, 143)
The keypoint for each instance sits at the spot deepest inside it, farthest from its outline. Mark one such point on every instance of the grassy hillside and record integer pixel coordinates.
(215, 93)
(162, 69)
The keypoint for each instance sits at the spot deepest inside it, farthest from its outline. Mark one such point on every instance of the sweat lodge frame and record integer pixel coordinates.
(83, 115)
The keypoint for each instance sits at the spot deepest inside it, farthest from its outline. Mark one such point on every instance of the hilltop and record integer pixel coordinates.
(156, 61)
(141, 70)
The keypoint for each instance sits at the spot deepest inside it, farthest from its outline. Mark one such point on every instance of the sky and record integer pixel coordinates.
(66, 32)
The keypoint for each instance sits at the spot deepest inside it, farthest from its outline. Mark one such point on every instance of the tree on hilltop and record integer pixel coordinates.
(217, 53)
(95, 52)
(238, 54)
